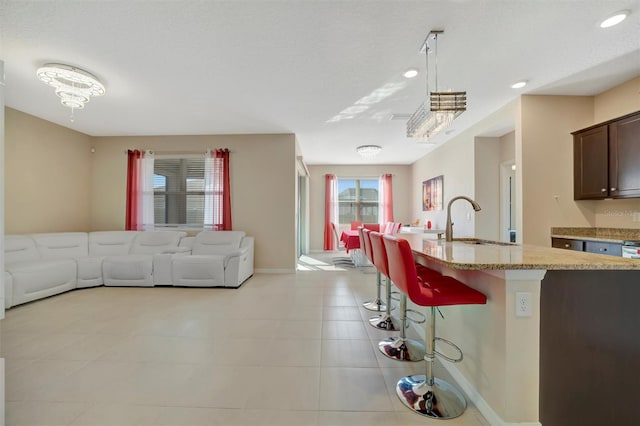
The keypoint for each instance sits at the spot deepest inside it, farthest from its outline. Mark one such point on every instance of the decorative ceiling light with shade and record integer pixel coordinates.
(74, 86)
(441, 108)
(369, 151)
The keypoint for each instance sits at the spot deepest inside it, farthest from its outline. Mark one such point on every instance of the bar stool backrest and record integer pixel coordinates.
(379, 253)
(402, 267)
(367, 243)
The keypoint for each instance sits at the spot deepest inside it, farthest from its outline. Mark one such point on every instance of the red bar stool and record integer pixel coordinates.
(379, 254)
(365, 244)
(424, 394)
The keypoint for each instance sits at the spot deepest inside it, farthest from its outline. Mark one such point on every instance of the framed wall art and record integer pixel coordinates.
(432, 194)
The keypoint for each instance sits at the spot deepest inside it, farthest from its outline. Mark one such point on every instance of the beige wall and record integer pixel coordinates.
(547, 144)
(401, 193)
(487, 187)
(262, 177)
(508, 147)
(456, 161)
(51, 166)
(547, 165)
(47, 176)
(620, 100)
(542, 147)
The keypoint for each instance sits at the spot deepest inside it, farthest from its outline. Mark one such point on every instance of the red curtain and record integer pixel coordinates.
(386, 199)
(134, 190)
(330, 195)
(222, 190)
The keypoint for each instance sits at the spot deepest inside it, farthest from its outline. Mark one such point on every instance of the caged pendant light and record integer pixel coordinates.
(441, 108)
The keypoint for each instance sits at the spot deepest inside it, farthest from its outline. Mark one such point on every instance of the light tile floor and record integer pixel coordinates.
(282, 350)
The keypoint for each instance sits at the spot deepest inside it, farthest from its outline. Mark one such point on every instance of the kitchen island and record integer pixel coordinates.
(573, 361)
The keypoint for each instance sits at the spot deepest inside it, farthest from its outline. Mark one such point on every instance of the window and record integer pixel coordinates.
(178, 191)
(358, 200)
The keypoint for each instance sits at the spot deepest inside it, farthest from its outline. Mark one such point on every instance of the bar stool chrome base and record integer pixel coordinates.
(377, 305)
(402, 349)
(384, 322)
(439, 400)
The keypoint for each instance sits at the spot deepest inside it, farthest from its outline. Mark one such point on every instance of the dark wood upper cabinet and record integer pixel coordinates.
(606, 159)
(624, 157)
(590, 163)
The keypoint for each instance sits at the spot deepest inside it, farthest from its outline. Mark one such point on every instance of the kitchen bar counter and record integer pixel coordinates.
(473, 254)
(578, 348)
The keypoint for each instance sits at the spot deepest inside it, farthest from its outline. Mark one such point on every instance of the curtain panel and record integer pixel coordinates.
(134, 165)
(139, 207)
(330, 210)
(217, 213)
(385, 199)
(139, 213)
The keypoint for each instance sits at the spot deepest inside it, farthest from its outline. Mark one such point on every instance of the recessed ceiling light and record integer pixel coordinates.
(410, 73)
(519, 84)
(615, 19)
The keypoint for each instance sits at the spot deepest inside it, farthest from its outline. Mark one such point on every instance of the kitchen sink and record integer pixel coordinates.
(478, 241)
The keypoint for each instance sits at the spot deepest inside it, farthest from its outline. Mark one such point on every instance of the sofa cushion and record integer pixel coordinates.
(216, 242)
(89, 271)
(110, 243)
(44, 277)
(129, 270)
(19, 248)
(198, 271)
(152, 242)
(62, 245)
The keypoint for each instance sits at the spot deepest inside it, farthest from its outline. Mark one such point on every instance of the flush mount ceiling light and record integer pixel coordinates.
(368, 151)
(615, 19)
(519, 84)
(410, 73)
(441, 108)
(73, 86)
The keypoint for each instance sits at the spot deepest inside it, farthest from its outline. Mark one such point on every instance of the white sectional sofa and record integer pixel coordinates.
(41, 265)
(215, 260)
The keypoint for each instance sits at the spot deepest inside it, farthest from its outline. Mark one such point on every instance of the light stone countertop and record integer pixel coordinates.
(608, 235)
(583, 238)
(463, 254)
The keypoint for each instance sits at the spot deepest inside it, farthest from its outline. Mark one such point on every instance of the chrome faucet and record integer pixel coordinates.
(448, 233)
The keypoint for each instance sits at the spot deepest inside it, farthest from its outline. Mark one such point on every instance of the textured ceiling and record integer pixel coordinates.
(328, 71)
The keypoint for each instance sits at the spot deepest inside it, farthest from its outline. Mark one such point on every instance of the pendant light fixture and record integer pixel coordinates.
(74, 86)
(440, 108)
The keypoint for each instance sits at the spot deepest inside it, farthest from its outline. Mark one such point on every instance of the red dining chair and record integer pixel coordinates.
(372, 226)
(425, 394)
(395, 228)
(365, 243)
(355, 224)
(379, 254)
(344, 260)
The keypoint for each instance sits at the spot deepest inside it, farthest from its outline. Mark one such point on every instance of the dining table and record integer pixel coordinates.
(351, 239)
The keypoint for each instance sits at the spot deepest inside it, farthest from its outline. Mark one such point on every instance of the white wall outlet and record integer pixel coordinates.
(523, 304)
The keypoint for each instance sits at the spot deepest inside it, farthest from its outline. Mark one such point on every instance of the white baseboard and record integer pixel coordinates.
(275, 271)
(485, 409)
(476, 399)
(2, 412)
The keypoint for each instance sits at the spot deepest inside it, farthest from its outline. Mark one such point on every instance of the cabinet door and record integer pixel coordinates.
(590, 164)
(612, 249)
(624, 157)
(567, 243)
